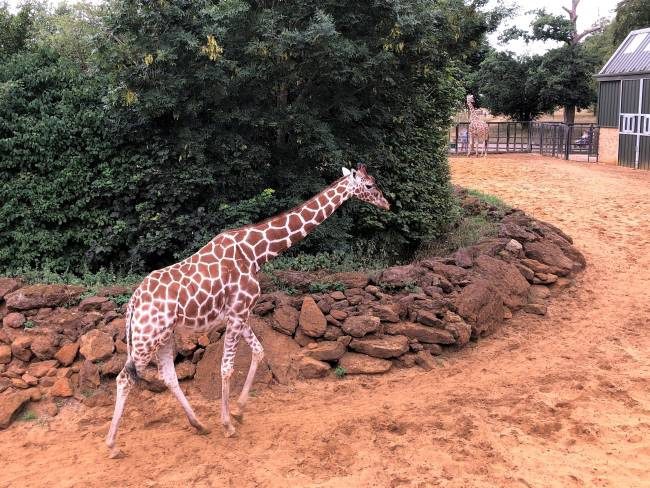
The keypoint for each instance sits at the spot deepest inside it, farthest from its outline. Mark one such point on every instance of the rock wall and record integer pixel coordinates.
(57, 343)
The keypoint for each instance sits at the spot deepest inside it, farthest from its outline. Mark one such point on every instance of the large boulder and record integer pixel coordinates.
(325, 351)
(44, 345)
(349, 279)
(421, 332)
(5, 354)
(67, 353)
(7, 285)
(550, 254)
(399, 276)
(311, 320)
(285, 319)
(39, 296)
(506, 279)
(15, 320)
(10, 405)
(390, 346)
(481, 306)
(312, 368)
(279, 351)
(354, 363)
(96, 345)
(360, 325)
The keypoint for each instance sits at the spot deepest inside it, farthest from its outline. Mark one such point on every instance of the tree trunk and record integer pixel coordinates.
(569, 114)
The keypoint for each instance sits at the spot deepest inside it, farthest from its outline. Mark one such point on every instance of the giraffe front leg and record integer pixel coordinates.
(257, 354)
(233, 333)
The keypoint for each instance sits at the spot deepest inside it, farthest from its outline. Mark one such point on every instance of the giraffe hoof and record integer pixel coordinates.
(202, 429)
(116, 454)
(230, 431)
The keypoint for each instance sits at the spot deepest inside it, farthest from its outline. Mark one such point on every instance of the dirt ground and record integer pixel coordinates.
(555, 401)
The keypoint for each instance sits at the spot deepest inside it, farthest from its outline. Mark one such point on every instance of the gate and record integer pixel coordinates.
(574, 141)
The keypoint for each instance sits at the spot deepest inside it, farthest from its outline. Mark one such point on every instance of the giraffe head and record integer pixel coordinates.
(363, 186)
(470, 100)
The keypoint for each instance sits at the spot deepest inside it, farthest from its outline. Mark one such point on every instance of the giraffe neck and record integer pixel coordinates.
(283, 231)
(472, 111)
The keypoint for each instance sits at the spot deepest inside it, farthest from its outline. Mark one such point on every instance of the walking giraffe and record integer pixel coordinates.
(478, 129)
(219, 283)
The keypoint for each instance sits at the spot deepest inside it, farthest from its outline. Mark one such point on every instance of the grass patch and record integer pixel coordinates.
(28, 416)
(489, 199)
(331, 261)
(317, 287)
(340, 372)
(91, 280)
(469, 228)
(29, 325)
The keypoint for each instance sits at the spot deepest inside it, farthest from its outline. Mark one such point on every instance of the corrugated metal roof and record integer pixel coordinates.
(631, 57)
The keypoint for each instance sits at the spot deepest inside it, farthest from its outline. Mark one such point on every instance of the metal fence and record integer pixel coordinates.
(575, 141)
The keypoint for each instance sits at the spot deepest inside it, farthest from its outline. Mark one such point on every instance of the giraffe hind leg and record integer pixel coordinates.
(257, 353)
(168, 374)
(231, 339)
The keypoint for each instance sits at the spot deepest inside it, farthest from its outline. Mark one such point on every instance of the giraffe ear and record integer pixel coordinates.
(346, 171)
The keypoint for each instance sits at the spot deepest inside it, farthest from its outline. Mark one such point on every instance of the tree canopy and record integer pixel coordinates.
(132, 132)
(509, 86)
(564, 74)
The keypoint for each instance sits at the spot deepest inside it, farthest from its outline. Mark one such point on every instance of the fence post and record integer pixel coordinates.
(567, 141)
(498, 135)
(507, 136)
(457, 139)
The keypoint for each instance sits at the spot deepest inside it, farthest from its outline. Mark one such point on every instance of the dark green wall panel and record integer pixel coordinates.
(630, 96)
(626, 150)
(645, 101)
(609, 99)
(644, 152)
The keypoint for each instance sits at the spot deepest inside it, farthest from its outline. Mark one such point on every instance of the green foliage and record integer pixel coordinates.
(509, 86)
(564, 74)
(28, 416)
(469, 228)
(133, 132)
(340, 372)
(29, 325)
(317, 287)
(332, 261)
(630, 15)
(489, 199)
(410, 287)
(565, 77)
(120, 300)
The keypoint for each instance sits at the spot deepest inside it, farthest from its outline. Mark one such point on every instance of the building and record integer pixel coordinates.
(624, 103)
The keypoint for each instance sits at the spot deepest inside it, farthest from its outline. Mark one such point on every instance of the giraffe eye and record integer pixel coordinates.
(368, 187)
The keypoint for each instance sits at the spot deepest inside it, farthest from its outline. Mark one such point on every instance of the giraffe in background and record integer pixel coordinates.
(478, 129)
(219, 283)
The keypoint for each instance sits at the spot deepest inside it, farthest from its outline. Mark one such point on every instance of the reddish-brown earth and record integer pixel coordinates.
(555, 401)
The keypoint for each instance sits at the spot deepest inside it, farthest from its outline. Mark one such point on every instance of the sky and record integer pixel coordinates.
(588, 12)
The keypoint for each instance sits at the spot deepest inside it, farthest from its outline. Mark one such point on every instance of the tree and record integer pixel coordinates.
(565, 72)
(630, 15)
(508, 86)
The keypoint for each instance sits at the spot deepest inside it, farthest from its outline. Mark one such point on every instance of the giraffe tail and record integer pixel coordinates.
(129, 367)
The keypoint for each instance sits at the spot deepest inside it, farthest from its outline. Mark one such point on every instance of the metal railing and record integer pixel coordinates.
(548, 138)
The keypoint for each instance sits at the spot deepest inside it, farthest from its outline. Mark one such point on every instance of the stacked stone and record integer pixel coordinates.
(55, 345)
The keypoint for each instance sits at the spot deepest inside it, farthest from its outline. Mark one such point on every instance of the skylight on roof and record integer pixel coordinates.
(635, 42)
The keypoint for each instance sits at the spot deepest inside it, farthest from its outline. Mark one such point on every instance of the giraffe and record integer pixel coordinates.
(478, 129)
(218, 283)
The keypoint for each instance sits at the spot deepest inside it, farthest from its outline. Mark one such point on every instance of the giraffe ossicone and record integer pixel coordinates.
(219, 283)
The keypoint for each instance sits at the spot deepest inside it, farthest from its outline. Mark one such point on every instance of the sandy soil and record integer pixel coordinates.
(559, 401)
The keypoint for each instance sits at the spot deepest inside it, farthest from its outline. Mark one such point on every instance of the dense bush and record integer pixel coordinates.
(195, 116)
